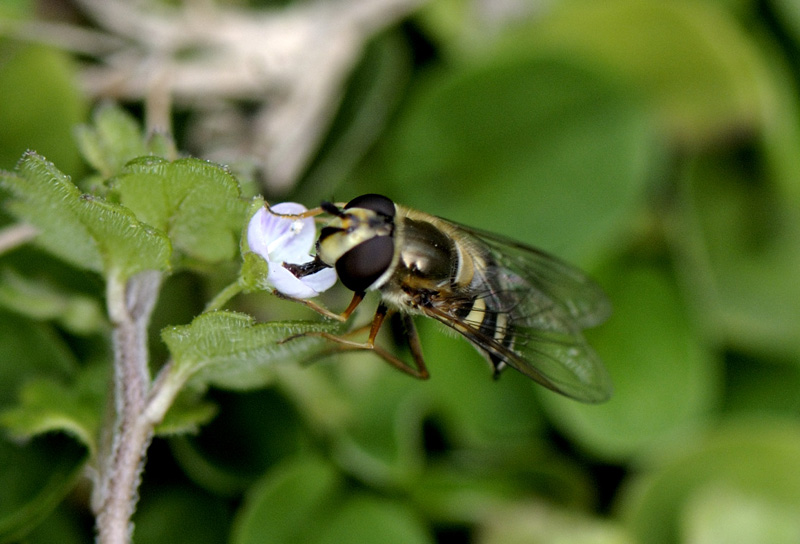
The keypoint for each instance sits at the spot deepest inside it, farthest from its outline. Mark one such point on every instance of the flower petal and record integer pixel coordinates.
(321, 281)
(290, 285)
(278, 238)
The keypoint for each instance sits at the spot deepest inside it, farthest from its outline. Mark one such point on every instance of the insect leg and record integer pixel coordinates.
(322, 310)
(354, 302)
(344, 344)
(419, 371)
(415, 347)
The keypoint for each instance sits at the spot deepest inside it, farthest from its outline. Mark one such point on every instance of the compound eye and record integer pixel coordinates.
(365, 263)
(377, 203)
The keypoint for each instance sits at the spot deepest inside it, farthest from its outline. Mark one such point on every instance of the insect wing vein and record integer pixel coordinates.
(582, 299)
(527, 310)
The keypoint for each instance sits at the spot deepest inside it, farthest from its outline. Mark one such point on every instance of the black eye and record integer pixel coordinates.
(363, 264)
(377, 203)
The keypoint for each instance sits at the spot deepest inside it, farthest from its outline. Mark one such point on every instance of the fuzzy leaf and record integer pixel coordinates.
(187, 414)
(29, 348)
(751, 462)
(723, 514)
(85, 231)
(46, 405)
(286, 502)
(41, 300)
(570, 149)
(666, 379)
(113, 138)
(196, 202)
(744, 238)
(231, 350)
(689, 59)
(535, 523)
(369, 520)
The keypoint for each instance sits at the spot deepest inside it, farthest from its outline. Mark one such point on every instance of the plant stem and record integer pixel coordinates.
(130, 304)
(224, 296)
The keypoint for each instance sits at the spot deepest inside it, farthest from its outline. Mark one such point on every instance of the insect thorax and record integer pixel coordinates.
(431, 267)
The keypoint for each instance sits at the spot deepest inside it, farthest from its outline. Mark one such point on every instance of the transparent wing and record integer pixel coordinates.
(578, 295)
(537, 306)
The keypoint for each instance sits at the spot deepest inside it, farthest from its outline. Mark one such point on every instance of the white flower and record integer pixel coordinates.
(281, 240)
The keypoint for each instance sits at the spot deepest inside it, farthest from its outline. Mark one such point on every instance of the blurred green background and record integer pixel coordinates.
(655, 144)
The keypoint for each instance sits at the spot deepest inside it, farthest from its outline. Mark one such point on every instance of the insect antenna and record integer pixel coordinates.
(331, 208)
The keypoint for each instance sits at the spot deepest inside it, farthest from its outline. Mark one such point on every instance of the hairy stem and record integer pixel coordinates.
(130, 304)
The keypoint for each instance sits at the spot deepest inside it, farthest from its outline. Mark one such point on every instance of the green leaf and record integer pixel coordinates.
(370, 520)
(478, 410)
(254, 273)
(195, 202)
(187, 414)
(723, 514)
(569, 150)
(788, 13)
(41, 103)
(458, 485)
(255, 270)
(703, 74)
(46, 405)
(61, 526)
(44, 471)
(84, 231)
(383, 445)
(666, 380)
(540, 524)
(231, 350)
(756, 385)
(253, 431)
(753, 460)
(287, 505)
(29, 349)
(41, 300)
(112, 139)
(169, 514)
(742, 236)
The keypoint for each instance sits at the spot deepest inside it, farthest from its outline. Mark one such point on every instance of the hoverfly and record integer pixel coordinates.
(518, 306)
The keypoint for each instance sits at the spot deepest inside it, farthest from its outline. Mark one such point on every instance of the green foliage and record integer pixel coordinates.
(195, 202)
(45, 406)
(516, 117)
(41, 104)
(231, 350)
(30, 348)
(744, 468)
(44, 471)
(537, 524)
(305, 501)
(175, 514)
(701, 74)
(41, 299)
(678, 387)
(83, 230)
(144, 216)
(653, 143)
(114, 138)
